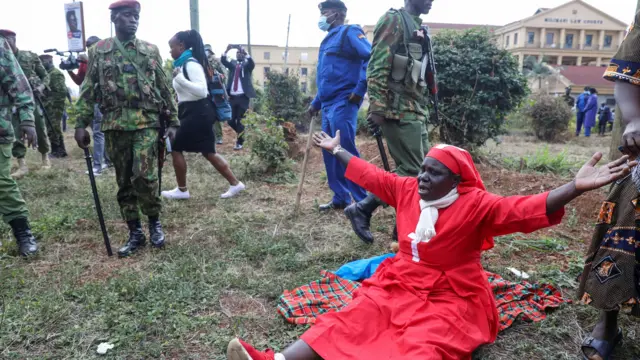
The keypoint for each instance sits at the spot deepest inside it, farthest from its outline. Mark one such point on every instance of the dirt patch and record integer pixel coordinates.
(235, 303)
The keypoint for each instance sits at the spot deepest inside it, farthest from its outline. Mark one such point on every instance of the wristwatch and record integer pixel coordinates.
(336, 150)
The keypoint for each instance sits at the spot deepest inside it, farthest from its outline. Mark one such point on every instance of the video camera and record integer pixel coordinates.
(68, 62)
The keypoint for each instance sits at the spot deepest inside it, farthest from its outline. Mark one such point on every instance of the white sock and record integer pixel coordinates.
(279, 357)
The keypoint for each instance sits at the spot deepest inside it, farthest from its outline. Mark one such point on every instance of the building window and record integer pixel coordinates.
(568, 40)
(589, 40)
(267, 55)
(267, 70)
(608, 40)
(507, 42)
(304, 72)
(515, 39)
(531, 36)
(304, 87)
(550, 38)
(304, 56)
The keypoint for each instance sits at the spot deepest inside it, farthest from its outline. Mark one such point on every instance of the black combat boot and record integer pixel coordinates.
(24, 238)
(156, 233)
(136, 240)
(360, 216)
(62, 150)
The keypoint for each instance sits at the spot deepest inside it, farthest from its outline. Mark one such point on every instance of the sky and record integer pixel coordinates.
(224, 21)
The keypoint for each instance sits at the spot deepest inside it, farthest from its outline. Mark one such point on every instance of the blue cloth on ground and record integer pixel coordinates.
(360, 270)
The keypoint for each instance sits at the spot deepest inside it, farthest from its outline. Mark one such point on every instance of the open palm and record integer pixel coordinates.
(324, 141)
(591, 177)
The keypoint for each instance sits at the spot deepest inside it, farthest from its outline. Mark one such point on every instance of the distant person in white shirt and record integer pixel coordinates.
(240, 88)
(196, 113)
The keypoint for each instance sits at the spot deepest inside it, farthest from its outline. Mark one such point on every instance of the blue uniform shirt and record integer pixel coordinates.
(342, 65)
(581, 104)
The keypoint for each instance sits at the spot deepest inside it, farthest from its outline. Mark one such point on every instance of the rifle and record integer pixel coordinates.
(96, 200)
(44, 112)
(383, 152)
(164, 148)
(431, 74)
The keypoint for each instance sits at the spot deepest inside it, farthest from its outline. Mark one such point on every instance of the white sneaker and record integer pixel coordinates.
(176, 194)
(233, 191)
(96, 171)
(105, 166)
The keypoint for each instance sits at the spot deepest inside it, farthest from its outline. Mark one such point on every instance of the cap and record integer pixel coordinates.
(124, 4)
(45, 56)
(332, 4)
(5, 32)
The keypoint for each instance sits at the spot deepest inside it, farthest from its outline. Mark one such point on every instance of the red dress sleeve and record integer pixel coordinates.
(384, 185)
(525, 214)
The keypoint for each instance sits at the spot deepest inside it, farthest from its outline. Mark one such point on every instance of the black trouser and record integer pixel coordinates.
(602, 124)
(239, 106)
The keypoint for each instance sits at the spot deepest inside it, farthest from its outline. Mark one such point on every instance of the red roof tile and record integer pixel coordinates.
(586, 76)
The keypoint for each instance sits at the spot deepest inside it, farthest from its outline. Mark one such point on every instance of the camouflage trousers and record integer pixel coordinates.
(12, 205)
(408, 143)
(55, 110)
(19, 148)
(134, 155)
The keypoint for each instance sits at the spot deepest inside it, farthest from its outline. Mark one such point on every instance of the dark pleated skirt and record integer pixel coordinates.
(196, 127)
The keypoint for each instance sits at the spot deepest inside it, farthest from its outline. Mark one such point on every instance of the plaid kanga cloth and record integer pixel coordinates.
(331, 293)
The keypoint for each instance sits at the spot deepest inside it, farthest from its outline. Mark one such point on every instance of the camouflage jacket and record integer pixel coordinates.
(126, 100)
(57, 92)
(33, 68)
(387, 37)
(217, 66)
(14, 92)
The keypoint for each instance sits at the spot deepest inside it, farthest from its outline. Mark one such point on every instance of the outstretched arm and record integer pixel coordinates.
(589, 178)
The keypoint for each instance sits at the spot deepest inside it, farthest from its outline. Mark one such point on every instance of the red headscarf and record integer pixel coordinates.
(459, 161)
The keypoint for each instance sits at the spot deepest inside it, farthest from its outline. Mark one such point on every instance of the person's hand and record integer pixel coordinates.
(171, 133)
(591, 177)
(29, 136)
(375, 121)
(631, 140)
(83, 58)
(312, 111)
(355, 99)
(39, 91)
(229, 48)
(326, 142)
(82, 138)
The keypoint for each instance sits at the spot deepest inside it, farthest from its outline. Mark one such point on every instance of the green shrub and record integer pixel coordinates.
(543, 161)
(268, 147)
(284, 98)
(549, 116)
(362, 127)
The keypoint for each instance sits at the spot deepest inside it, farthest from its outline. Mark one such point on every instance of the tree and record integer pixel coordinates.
(284, 98)
(168, 67)
(479, 84)
(549, 116)
(537, 70)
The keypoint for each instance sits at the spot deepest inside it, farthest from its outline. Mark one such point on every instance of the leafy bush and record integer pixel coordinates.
(549, 116)
(362, 127)
(269, 156)
(258, 104)
(284, 98)
(479, 84)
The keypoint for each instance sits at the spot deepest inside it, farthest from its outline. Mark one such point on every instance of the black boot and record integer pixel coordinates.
(136, 240)
(156, 233)
(360, 216)
(54, 152)
(24, 238)
(62, 149)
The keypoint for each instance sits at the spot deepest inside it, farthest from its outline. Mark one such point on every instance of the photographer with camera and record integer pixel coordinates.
(39, 81)
(240, 88)
(100, 158)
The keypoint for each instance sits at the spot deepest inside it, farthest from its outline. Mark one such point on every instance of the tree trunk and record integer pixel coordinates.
(249, 26)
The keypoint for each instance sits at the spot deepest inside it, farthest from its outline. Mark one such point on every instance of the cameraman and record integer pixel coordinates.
(100, 159)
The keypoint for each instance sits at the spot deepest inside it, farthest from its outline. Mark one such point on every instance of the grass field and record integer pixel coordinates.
(228, 261)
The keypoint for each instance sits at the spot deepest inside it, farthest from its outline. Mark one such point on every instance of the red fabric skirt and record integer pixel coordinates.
(410, 311)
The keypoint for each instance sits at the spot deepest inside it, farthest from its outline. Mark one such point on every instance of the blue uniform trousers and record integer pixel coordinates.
(342, 116)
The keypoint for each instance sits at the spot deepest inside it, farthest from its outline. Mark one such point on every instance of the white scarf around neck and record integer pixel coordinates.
(426, 228)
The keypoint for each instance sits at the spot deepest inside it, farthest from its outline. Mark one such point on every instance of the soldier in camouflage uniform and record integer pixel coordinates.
(54, 103)
(132, 91)
(398, 103)
(15, 92)
(217, 66)
(39, 80)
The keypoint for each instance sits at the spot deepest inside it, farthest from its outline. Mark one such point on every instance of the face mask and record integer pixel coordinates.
(323, 23)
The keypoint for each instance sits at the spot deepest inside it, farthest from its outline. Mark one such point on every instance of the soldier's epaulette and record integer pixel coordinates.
(105, 46)
(146, 47)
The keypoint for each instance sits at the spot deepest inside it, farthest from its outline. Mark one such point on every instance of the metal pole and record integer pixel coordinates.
(286, 49)
(195, 15)
(96, 199)
(249, 26)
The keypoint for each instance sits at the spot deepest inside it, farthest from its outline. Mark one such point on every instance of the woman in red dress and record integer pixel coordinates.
(432, 300)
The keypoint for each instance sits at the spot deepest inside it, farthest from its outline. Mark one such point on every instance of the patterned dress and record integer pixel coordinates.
(610, 280)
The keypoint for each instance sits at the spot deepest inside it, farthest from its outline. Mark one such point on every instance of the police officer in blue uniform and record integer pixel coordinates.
(342, 84)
